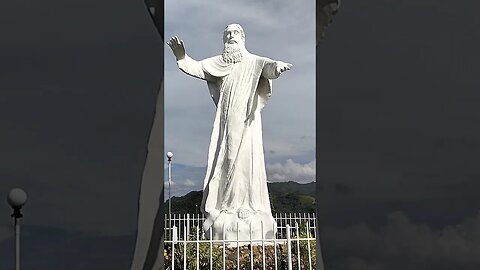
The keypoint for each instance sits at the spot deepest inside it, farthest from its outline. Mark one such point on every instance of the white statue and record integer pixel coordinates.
(235, 186)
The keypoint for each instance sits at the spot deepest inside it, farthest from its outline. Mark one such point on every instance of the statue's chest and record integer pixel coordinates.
(242, 76)
(238, 86)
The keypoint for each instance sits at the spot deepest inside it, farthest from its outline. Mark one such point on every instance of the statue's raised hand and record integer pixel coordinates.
(177, 47)
(282, 66)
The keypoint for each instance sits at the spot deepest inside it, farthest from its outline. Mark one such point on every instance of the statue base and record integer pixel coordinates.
(241, 228)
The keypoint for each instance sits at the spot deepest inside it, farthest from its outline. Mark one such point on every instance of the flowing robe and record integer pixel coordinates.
(235, 178)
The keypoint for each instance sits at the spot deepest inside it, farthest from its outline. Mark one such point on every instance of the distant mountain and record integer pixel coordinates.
(285, 197)
(187, 204)
(292, 197)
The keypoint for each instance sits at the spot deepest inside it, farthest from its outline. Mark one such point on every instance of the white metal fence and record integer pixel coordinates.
(187, 247)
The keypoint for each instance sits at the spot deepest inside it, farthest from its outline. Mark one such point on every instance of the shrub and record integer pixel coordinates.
(244, 255)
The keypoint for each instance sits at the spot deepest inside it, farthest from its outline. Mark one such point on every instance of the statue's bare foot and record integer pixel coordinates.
(243, 213)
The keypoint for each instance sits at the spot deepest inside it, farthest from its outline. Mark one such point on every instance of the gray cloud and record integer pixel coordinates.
(291, 171)
(403, 244)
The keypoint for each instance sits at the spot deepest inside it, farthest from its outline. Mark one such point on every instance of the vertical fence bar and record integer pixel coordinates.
(184, 247)
(173, 255)
(308, 220)
(197, 219)
(238, 250)
(182, 218)
(286, 223)
(263, 246)
(167, 234)
(298, 245)
(188, 224)
(174, 235)
(289, 218)
(198, 250)
(211, 247)
(251, 248)
(313, 220)
(181, 224)
(200, 225)
(275, 245)
(223, 237)
(173, 246)
(276, 220)
(289, 248)
(308, 246)
(172, 222)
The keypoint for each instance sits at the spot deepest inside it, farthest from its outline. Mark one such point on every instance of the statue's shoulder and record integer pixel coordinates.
(249, 54)
(215, 59)
(215, 66)
(257, 58)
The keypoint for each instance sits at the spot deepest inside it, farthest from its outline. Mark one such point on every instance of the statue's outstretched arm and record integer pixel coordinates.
(185, 63)
(272, 69)
(191, 67)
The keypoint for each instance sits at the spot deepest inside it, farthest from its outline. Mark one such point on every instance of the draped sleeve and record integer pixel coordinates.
(191, 67)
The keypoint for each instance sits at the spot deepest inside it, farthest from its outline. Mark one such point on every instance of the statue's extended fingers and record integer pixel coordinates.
(177, 40)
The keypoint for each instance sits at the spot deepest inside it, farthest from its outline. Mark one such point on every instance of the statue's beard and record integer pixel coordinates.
(232, 53)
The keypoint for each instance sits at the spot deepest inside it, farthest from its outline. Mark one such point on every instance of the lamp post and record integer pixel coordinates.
(17, 198)
(169, 158)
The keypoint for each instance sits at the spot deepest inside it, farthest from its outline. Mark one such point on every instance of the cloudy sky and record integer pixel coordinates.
(283, 32)
(397, 105)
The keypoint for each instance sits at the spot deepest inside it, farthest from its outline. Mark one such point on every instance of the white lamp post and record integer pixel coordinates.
(17, 198)
(169, 158)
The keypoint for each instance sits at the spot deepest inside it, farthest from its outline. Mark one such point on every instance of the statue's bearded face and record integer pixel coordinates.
(234, 34)
(234, 43)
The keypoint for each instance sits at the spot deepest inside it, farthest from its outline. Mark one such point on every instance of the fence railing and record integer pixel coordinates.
(293, 247)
